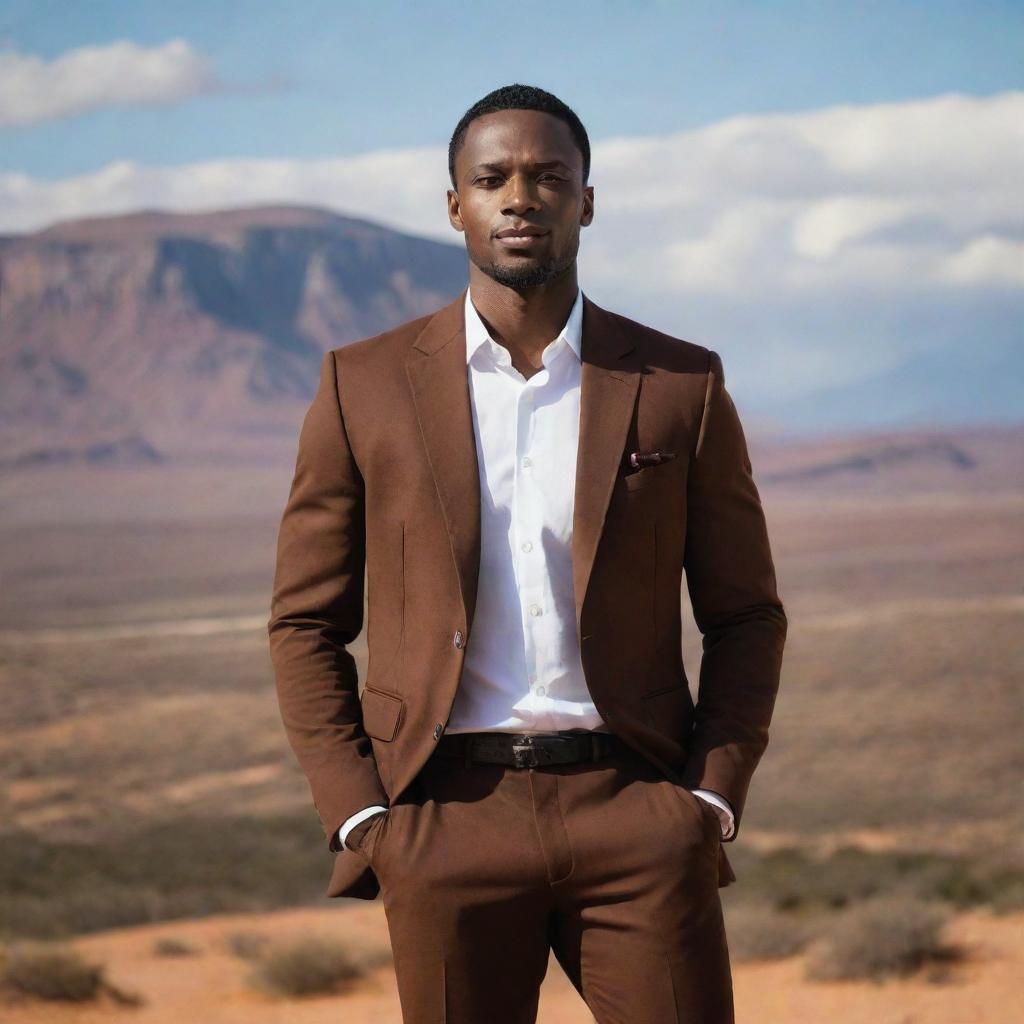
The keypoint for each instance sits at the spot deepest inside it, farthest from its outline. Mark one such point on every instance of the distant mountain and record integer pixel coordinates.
(971, 459)
(134, 339)
(150, 335)
(940, 389)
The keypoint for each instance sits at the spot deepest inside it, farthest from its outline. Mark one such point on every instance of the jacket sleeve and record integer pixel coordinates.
(731, 581)
(317, 610)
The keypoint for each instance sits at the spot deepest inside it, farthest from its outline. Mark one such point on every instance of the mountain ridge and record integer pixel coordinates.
(177, 333)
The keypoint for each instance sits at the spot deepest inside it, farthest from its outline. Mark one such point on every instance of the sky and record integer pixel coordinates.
(816, 190)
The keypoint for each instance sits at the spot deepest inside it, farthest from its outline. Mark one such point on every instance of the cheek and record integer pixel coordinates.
(565, 245)
(478, 235)
(478, 213)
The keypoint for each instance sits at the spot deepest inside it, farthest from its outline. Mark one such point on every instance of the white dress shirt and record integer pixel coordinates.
(522, 670)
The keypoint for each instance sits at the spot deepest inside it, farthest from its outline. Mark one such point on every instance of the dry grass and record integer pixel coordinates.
(881, 938)
(171, 947)
(760, 931)
(51, 972)
(150, 774)
(304, 966)
(246, 945)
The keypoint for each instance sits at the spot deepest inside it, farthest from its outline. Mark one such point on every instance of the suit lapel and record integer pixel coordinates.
(439, 384)
(608, 388)
(439, 381)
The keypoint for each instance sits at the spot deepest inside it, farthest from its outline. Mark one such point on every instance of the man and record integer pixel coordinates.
(522, 477)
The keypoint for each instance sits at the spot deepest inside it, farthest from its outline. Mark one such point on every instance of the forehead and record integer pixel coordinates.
(518, 136)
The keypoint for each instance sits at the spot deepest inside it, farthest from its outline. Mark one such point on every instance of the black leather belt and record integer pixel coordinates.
(531, 750)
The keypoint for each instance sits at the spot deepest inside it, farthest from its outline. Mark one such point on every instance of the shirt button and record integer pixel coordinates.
(459, 642)
(527, 546)
(535, 609)
(541, 690)
(527, 461)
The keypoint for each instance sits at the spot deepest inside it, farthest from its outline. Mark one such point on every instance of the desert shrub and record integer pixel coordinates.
(368, 958)
(308, 965)
(175, 868)
(879, 938)
(170, 946)
(246, 945)
(1009, 897)
(49, 972)
(996, 883)
(793, 880)
(759, 931)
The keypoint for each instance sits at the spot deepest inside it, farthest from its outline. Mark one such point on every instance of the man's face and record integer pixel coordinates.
(520, 169)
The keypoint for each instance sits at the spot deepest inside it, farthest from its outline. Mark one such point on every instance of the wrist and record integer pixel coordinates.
(356, 834)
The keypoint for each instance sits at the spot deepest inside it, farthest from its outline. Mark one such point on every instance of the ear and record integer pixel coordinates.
(454, 214)
(587, 215)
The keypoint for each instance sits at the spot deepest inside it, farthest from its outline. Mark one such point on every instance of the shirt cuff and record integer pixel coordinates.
(722, 809)
(350, 823)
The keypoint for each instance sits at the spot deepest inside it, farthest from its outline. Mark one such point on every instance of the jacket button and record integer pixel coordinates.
(438, 729)
(459, 641)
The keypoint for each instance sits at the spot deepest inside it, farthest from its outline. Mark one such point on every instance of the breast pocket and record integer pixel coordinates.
(641, 478)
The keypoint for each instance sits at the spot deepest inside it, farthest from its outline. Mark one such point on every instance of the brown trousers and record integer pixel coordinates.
(486, 868)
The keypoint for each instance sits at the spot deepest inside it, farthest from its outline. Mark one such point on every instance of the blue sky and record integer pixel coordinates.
(822, 192)
(310, 79)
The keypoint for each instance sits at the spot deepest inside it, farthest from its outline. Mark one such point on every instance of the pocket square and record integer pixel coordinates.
(640, 459)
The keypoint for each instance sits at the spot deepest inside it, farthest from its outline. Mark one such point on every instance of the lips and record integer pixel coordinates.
(524, 237)
(520, 232)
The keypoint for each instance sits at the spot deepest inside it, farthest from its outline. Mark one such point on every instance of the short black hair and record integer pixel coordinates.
(520, 97)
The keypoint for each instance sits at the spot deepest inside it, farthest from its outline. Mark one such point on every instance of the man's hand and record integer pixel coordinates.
(721, 807)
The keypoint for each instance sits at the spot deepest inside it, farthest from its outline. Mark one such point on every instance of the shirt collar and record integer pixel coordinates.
(476, 332)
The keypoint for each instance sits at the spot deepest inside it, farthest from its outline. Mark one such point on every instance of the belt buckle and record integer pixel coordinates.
(524, 752)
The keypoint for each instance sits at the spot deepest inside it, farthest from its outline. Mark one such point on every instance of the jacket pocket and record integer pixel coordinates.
(382, 713)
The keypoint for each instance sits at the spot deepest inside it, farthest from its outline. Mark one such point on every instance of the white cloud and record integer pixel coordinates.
(920, 193)
(845, 238)
(844, 198)
(828, 224)
(987, 259)
(92, 77)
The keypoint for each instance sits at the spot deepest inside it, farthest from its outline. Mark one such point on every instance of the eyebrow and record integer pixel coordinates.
(539, 165)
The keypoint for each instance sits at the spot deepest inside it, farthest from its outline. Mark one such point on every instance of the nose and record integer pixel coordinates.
(519, 195)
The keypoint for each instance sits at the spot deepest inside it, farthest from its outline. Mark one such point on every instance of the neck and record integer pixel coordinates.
(525, 322)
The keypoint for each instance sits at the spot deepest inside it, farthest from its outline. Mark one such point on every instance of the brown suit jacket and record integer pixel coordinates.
(386, 491)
